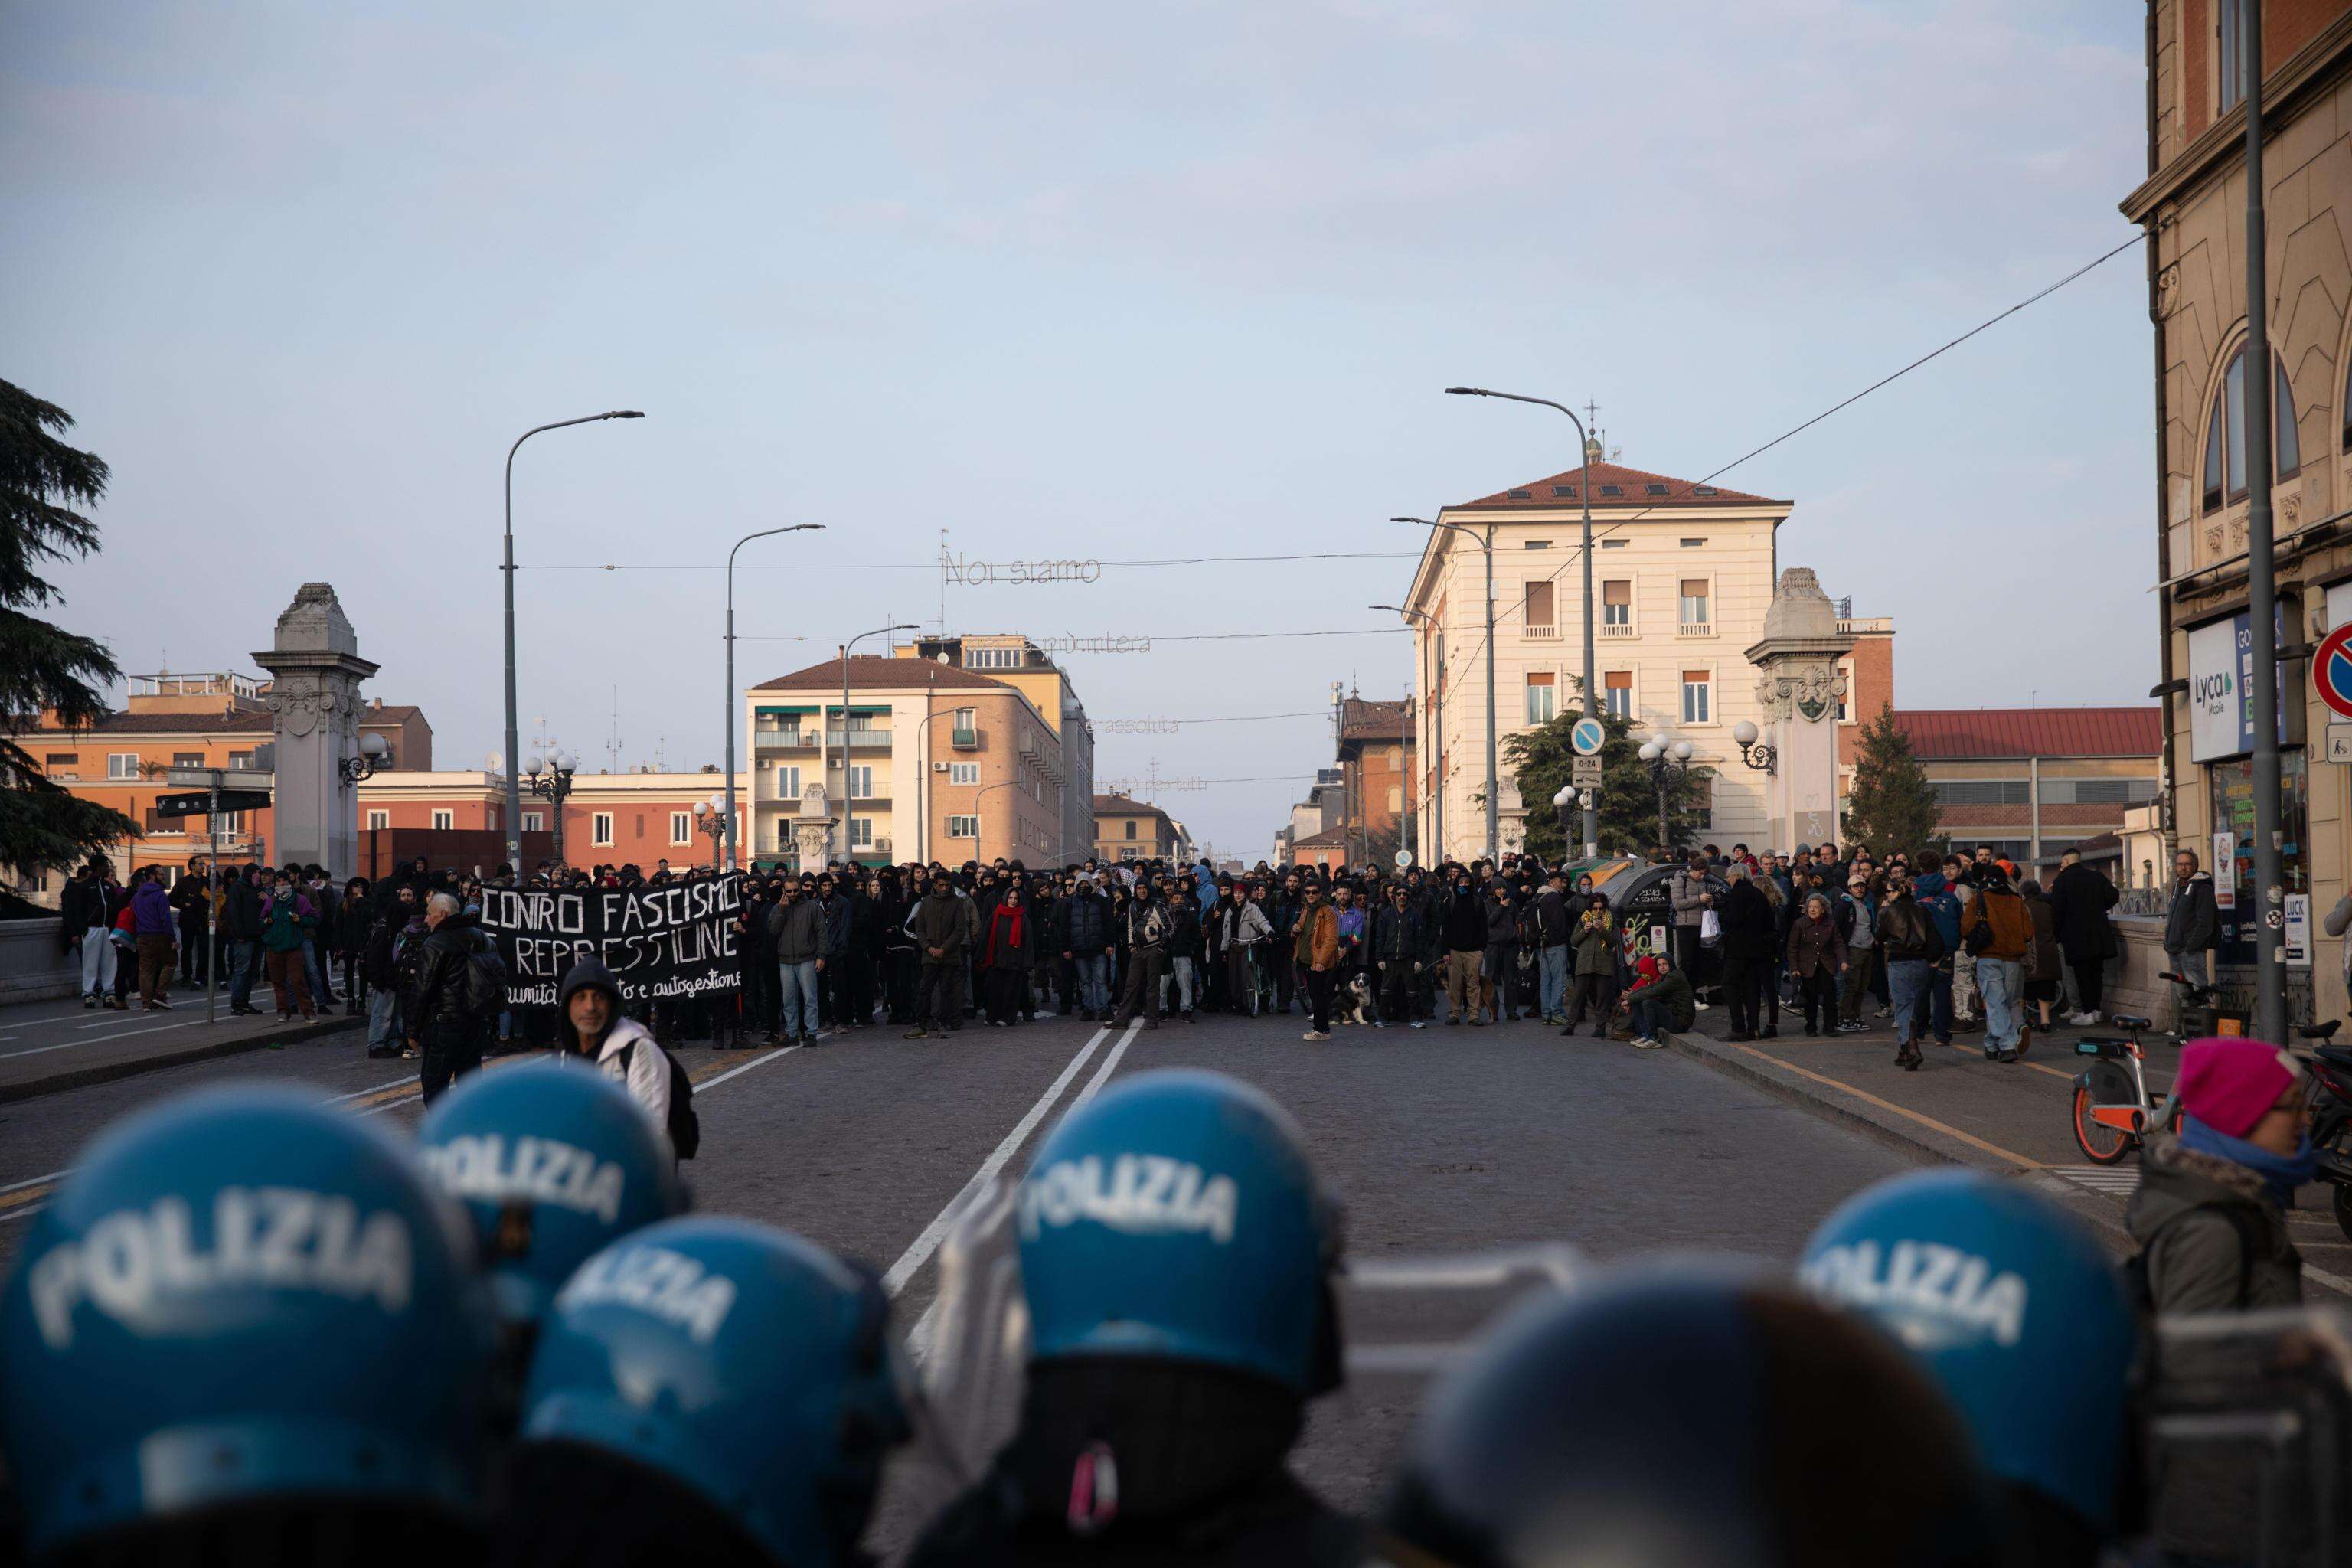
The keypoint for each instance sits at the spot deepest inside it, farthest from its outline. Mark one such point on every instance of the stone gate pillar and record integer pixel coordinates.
(315, 673)
(1796, 699)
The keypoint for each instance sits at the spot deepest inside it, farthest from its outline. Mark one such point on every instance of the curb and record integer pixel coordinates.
(110, 1072)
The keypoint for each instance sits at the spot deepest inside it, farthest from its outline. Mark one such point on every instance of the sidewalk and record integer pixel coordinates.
(49, 1046)
(1960, 1109)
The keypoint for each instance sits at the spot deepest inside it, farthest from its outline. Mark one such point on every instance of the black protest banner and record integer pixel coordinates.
(677, 939)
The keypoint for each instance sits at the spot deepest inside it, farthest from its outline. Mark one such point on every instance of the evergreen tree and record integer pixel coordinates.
(1891, 805)
(1538, 759)
(42, 667)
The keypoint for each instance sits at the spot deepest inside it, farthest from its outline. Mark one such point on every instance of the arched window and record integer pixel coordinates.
(1396, 799)
(2225, 433)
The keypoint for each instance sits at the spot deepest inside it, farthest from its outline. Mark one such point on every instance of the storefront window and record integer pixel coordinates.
(2232, 786)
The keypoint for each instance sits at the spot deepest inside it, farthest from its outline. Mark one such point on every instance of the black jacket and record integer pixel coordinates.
(2080, 899)
(1552, 920)
(2194, 923)
(1749, 929)
(1084, 920)
(241, 910)
(439, 998)
(1464, 927)
(1402, 936)
(81, 905)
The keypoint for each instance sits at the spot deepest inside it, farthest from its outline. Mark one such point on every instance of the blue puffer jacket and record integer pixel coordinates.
(1943, 907)
(1085, 923)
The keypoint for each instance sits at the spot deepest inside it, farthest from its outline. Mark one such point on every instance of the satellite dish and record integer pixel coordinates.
(496, 761)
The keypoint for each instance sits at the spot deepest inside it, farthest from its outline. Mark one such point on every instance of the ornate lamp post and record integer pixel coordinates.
(373, 752)
(1564, 802)
(551, 780)
(710, 816)
(1666, 758)
(1764, 759)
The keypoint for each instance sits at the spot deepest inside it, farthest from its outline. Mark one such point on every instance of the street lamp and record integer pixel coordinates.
(1437, 716)
(1494, 827)
(1584, 499)
(715, 816)
(550, 780)
(849, 795)
(796, 528)
(1564, 802)
(373, 752)
(514, 745)
(1764, 759)
(1666, 758)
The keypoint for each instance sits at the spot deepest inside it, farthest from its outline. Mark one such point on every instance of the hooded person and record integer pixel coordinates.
(593, 1026)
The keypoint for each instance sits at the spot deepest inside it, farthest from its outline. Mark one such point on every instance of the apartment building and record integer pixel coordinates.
(1020, 664)
(931, 762)
(1128, 829)
(1682, 575)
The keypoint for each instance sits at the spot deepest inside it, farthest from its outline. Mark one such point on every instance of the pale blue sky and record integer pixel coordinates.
(1133, 281)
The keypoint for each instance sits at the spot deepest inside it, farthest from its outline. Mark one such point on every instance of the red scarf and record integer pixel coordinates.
(996, 927)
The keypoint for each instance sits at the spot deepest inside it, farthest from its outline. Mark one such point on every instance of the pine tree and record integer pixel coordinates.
(1891, 805)
(1538, 759)
(42, 667)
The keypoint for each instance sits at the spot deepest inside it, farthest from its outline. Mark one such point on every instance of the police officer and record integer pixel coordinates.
(1687, 1416)
(1176, 1253)
(709, 1392)
(243, 1331)
(2012, 1305)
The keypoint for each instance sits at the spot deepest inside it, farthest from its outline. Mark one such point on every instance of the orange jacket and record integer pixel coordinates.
(1317, 945)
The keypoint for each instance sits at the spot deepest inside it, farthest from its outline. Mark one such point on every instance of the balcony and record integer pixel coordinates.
(1696, 629)
(1540, 634)
(1616, 629)
(806, 741)
(964, 740)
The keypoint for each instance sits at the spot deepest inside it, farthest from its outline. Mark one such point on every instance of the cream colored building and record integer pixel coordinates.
(2193, 205)
(1682, 575)
(938, 763)
(1020, 664)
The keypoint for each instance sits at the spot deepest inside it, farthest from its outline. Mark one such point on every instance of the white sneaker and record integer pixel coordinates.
(1643, 1042)
(1700, 1006)
(2081, 1020)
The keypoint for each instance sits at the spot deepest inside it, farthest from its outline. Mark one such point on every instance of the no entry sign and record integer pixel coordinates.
(2331, 670)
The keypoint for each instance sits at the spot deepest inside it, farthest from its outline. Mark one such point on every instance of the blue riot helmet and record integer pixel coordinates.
(244, 1325)
(1687, 1416)
(2014, 1307)
(553, 1164)
(1174, 1216)
(708, 1391)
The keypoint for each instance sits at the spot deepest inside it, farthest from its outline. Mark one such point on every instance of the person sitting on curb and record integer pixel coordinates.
(1659, 994)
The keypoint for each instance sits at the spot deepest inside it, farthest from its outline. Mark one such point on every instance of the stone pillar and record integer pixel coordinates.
(1796, 699)
(315, 673)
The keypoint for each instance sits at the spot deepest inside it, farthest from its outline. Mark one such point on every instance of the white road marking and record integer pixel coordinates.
(747, 1067)
(918, 1339)
(2116, 1181)
(920, 1253)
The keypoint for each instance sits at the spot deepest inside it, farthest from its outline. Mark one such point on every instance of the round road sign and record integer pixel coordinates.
(1587, 733)
(1404, 860)
(2331, 670)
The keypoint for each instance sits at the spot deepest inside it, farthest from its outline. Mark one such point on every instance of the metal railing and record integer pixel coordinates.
(1540, 634)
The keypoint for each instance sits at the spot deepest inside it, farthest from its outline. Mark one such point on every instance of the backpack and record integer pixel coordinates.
(685, 1126)
(482, 992)
(2141, 1291)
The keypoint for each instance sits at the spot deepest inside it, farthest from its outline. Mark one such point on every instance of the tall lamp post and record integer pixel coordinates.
(550, 780)
(715, 816)
(1666, 758)
(796, 528)
(1487, 544)
(1437, 714)
(1584, 497)
(514, 745)
(848, 795)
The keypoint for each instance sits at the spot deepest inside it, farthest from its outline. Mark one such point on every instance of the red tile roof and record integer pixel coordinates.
(1984, 734)
(1120, 806)
(1330, 839)
(1364, 719)
(874, 673)
(1633, 488)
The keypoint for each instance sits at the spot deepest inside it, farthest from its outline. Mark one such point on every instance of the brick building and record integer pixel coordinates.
(2033, 781)
(1376, 772)
(1129, 829)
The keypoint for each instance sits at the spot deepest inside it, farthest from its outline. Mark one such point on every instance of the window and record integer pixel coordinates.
(1396, 759)
(1693, 544)
(599, 829)
(1845, 713)
(122, 765)
(1654, 489)
(1697, 706)
(2225, 433)
(1980, 792)
(966, 827)
(240, 760)
(1539, 605)
(2232, 54)
(1130, 827)
(1615, 543)
(967, 718)
(1612, 489)
(1538, 545)
(378, 821)
(1617, 692)
(1617, 603)
(443, 821)
(963, 773)
(681, 828)
(787, 782)
(534, 822)
(1693, 602)
(2097, 791)
(860, 782)
(861, 833)
(1539, 697)
(62, 760)
(187, 759)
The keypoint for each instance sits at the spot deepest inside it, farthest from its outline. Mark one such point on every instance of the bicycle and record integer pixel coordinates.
(2112, 1109)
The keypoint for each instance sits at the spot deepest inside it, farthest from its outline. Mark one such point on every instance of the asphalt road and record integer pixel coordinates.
(1443, 1141)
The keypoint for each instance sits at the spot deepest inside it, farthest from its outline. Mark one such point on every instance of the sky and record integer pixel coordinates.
(1125, 283)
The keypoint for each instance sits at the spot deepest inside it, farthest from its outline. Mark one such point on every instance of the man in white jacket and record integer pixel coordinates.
(594, 1028)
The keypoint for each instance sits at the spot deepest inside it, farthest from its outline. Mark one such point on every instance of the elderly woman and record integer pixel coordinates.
(1817, 956)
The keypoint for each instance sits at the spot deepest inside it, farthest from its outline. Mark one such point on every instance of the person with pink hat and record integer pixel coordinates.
(2211, 1212)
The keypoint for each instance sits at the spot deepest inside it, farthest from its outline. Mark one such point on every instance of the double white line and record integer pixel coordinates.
(910, 1262)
